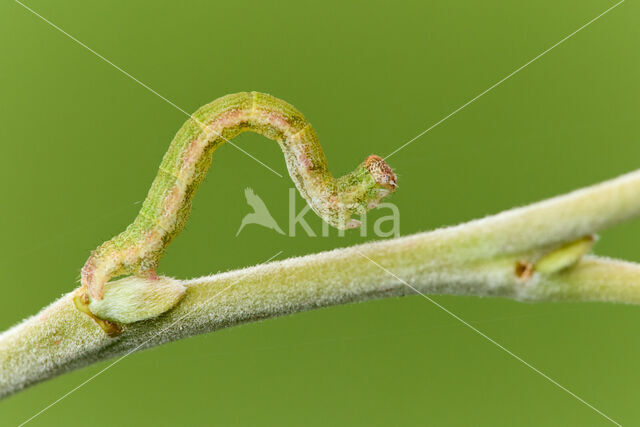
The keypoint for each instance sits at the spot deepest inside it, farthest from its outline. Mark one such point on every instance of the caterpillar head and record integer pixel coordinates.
(381, 172)
(358, 192)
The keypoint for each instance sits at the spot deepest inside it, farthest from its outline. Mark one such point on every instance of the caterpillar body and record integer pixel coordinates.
(164, 212)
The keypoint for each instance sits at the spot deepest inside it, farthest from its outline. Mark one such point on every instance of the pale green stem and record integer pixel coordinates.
(482, 257)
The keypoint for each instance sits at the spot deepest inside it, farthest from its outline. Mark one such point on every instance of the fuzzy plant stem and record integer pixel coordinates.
(534, 253)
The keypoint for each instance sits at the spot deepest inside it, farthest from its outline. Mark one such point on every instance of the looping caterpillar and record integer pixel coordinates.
(164, 212)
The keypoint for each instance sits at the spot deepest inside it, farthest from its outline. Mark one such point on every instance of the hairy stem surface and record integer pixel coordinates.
(534, 253)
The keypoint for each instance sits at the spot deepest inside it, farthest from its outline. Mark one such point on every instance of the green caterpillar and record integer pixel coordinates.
(138, 249)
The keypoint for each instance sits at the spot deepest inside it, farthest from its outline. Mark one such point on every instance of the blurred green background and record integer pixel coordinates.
(81, 142)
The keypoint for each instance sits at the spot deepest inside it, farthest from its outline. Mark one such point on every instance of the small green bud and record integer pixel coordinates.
(565, 256)
(133, 299)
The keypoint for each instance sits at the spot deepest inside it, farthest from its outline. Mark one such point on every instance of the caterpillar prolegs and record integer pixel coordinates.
(166, 208)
